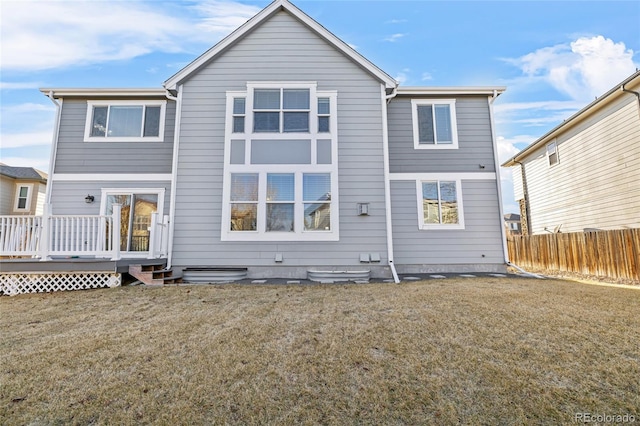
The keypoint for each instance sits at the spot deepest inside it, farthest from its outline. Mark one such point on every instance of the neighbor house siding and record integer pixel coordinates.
(474, 139)
(76, 156)
(596, 182)
(281, 49)
(7, 194)
(478, 246)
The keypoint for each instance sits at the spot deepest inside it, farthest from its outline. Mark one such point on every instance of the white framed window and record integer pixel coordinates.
(281, 171)
(125, 121)
(24, 193)
(552, 153)
(434, 124)
(440, 204)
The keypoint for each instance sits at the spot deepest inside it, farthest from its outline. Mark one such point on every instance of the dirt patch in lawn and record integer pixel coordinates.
(465, 350)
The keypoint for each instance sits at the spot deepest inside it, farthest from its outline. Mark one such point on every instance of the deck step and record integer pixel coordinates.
(154, 274)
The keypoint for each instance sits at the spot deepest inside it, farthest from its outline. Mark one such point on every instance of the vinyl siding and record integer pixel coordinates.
(76, 156)
(480, 243)
(7, 194)
(281, 49)
(69, 196)
(597, 181)
(475, 144)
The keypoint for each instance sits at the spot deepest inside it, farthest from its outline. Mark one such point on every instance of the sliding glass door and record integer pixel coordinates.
(135, 218)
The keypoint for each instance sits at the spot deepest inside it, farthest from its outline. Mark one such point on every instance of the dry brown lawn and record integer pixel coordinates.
(470, 351)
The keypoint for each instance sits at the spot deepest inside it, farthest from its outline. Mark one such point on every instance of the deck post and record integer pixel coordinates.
(115, 231)
(153, 236)
(45, 226)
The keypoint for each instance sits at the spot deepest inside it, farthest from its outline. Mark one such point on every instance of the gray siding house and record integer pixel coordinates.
(585, 173)
(283, 152)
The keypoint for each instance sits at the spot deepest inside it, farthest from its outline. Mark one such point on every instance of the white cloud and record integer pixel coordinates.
(396, 21)
(39, 160)
(401, 78)
(353, 46)
(26, 139)
(38, 35)
(394, 37)
(582, 69)
(26, 85)
(28, 108)
(426, 76)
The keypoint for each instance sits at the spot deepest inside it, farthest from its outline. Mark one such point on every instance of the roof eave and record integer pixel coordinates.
(102, 92)
(451, 90)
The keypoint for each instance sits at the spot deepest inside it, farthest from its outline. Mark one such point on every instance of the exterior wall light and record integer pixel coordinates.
(89, 199)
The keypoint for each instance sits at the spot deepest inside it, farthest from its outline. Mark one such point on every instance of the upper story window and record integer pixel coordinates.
(440, 204)
(552, 153)
(281, 171)
(23, 198)
(125, 121)
(434, 124)
(281, 110)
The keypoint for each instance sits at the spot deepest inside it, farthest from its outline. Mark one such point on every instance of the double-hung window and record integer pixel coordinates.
(125, 121)
(434, 124)
(281, 179)
(440, 204)
(23, 198)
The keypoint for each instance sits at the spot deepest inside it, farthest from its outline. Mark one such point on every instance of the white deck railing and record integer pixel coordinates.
(20, 235)
(48, 235)
(81, 235)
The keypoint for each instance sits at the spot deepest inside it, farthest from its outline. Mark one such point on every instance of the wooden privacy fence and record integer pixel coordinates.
(612, 254)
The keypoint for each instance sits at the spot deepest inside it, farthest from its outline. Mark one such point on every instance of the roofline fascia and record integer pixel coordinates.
(452, 90)
(172, 82)
(582, 114)
(105, 92)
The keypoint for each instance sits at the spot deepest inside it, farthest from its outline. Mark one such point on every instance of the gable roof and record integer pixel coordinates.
(265, 14)
(26, 173)
(617, 91)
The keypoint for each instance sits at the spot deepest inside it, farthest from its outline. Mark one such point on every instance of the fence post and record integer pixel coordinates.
(153, 236)
(115, 231)
(45, 226)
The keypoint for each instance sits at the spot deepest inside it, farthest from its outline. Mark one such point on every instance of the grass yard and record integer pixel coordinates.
(460, 350)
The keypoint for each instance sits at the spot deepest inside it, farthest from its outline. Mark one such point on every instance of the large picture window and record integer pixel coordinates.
(281, 174)
(125, 121)
(440, 205)
(434, 124)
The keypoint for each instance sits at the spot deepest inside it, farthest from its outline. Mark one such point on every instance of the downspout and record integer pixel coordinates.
(387, 181)
(505, 250)
(54, 145)
(174, 170)
(633, 92)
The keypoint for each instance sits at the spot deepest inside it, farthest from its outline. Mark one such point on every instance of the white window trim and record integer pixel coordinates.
(27, 207)
(546, 152)
(130, 191)
(416, 133)
(91, 104)
(298, 169)
(437, 226)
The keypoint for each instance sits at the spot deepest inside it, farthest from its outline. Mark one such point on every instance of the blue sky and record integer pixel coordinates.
(554, 57)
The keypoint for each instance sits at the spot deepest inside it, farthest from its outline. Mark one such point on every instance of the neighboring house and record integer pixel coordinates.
(585, 173)
(284, 151)
(512, 224)
(22, 190)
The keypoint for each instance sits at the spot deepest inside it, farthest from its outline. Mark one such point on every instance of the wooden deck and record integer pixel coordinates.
(73, 265)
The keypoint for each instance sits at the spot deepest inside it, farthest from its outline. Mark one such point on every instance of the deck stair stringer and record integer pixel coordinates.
(155, 274)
